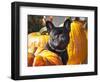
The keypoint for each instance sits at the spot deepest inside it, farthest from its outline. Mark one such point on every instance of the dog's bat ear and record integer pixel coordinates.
(67, 24)
(49, 26)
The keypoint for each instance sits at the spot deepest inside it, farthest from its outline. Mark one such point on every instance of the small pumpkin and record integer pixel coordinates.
(77, 47)
(36, 40)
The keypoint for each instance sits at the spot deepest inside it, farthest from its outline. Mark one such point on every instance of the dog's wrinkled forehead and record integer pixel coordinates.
(58, 30)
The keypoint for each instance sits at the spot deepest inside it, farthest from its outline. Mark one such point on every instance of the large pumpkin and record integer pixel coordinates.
(45, 57)
(35, 40)
(37, 55)
(77, 47)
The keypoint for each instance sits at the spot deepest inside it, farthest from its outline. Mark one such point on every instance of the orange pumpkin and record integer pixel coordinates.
(46, 57)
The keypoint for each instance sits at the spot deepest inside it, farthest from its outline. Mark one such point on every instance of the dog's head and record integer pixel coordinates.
(59, 36)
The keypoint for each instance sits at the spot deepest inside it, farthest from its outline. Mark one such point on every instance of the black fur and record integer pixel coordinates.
(59, 39)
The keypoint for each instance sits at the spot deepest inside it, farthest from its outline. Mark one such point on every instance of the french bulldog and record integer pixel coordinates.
(59, 39)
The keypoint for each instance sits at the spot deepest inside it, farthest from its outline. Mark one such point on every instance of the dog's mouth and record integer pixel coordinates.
(56, 49)
(61, 46)
(58, 46)
(59, 42)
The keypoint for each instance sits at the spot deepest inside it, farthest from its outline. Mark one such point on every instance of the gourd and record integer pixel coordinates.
(77, 47)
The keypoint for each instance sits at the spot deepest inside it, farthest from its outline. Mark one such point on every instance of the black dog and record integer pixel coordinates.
(59, 39)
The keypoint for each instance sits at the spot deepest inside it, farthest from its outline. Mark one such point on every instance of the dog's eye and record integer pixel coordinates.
(56, 36)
